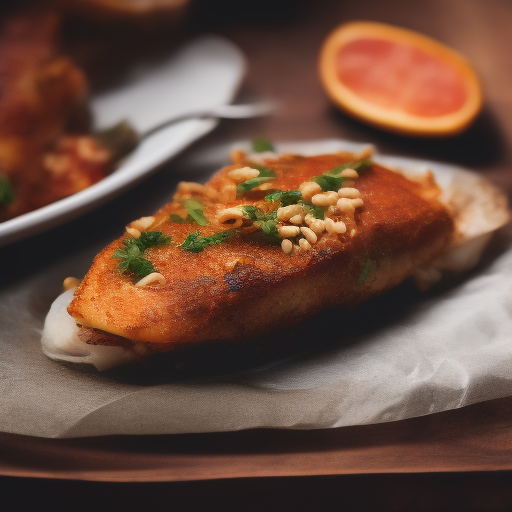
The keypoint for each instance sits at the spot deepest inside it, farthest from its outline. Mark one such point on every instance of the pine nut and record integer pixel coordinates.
(318, 226)
(351, 193)
(308, 189)
(227, 193)
(304, 244)
(345, 205)
(243, 174)
(229, 214)
(357, 202)
(288, 231)
(132, 231)
(335, 227)
(349, 173)
(190, 187)
(325, 199)
(296, 219)
(309, 219)
(286, 246)
(237, 156)
(287, 212)
(309, 234)
(143, 223)
(155, 279)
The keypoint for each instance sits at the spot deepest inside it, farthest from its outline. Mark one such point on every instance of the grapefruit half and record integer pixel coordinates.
(399, 80)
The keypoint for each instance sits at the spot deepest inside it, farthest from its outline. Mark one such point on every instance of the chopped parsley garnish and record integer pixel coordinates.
(259, 145)
(131, 256)
(365, 272)
(174, 217)
(195, 210)
(195, 242)
(317, 211)
(267, 222)
(6, 191)
(245, 186)
(195, 214)
(287, 197)
(333, 181)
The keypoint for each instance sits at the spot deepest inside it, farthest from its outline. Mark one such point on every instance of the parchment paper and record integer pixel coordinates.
(405, 354)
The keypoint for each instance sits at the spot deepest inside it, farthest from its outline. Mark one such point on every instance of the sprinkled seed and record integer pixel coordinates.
(243, 174)
(230, 214)
(155, 279)
(309, 219)
(287, 246)
(357, 202)
(132, 231)
(353, 232)
(318, 226)
(190, 187)
(288, 231)
(335, 227)
(296, 219)
(143, 223)
(227, 194)
(351, 193)
(237, 156)
(308, 189)
(287, 212)
(304, 244)
(345, 205)
(70, 282)
(325, 199)
(349, 173)
(309, 234)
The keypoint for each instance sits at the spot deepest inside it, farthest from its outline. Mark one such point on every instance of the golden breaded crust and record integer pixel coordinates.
(246, 287)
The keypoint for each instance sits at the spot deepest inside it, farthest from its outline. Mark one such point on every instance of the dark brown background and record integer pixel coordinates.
(457, 460)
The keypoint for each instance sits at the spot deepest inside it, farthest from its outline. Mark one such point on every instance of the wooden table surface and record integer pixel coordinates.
(459, 459)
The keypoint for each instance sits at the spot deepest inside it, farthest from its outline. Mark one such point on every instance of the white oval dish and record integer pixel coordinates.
(205, 73)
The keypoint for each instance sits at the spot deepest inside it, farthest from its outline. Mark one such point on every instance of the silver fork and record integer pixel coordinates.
(242, 111)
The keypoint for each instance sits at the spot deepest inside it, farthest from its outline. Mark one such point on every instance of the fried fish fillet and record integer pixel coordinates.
(307, 249)
(268, 242)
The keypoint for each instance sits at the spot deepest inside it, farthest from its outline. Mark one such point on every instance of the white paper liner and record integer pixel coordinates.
(447, 350)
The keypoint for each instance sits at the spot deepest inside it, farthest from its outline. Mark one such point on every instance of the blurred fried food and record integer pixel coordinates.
(42, 99)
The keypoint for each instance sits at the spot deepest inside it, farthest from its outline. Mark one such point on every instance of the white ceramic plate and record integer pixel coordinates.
(205, 73)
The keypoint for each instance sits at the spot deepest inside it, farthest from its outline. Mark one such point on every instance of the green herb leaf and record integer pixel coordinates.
(287, 197)
(269, 227)
(259, 145)
(357, 166)
(252, 212)
(195, 242)
(174, 217)
(149, 239)
(131, 257)
(245, 186)
(265, 173)
(365, 272)
(328, 182)
(195, 210)
(6, 191)
(317, 211)
(333, 181)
